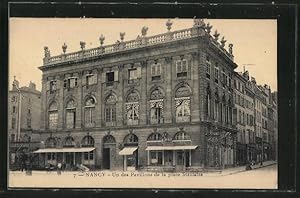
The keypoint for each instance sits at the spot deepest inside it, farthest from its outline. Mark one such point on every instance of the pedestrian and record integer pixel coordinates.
(59, 166)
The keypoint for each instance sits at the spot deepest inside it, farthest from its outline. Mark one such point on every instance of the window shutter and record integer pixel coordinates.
(158, 69)
(95, 79)
(48, 86)
(83, 80)
(139, 72)
(178, 66)
(116, 75)
(57, 84)
(104, 77)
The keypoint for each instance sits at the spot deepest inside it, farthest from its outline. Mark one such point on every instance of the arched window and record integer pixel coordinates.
(131, 140)
(181, 136)
(50, 142)
(132, 108)
(156, 107)
(182, 104)
(70, 114)
(69, 142)
(89, 112)
(87, 141)
(110, 110)
(216, 107)
(109, 139)
(53, 115)
(154, 137)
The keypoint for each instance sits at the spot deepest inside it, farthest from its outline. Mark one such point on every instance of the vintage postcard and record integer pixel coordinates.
(142, 103)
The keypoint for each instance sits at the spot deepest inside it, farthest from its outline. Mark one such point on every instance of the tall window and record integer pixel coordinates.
(69, 142)
(181, 68)
(131, 140)
(29, 121)
(208, 102)
(156, 71)
(216, 73)
(208, 67)
(89, 112)
(14, 109)
(156, 107)
(132, 108)
(70, 115)
(50, 142)
(91, 79)
(88, 141)
(110, 110)
(53, 115)
(182, 104)
(216, 107)
(13, 123)
(53, 86)
(181, 136)
(132, 74)
(70, 82)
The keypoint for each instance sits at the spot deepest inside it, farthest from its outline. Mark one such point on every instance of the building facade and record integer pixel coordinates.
(240, 109)
(24, 111)
(157, 102)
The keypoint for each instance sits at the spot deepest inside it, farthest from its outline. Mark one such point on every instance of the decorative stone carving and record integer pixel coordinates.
(101, 39)
(230, 48)
(64, 48)
(169, 24)
(82, 45)
(144, 31)
(216, 35)
(208, 28)
(47, 52)
(122, 34)
(198, 22)
(223, 41)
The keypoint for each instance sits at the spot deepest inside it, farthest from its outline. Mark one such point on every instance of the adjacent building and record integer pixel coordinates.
(156, 102)
(24, 111)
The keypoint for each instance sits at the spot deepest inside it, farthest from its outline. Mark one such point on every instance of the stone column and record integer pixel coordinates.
(44, 108)
(195, 102)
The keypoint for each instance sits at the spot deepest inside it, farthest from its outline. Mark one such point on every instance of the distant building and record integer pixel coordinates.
(24, 115)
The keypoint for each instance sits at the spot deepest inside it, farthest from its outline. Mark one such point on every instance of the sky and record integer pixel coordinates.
(254, 41)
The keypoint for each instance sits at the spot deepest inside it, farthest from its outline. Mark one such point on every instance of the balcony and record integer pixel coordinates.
(140, 42)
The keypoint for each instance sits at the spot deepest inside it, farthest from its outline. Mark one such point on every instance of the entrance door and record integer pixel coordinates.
(187, 158)
(106, 158)
(69, 160)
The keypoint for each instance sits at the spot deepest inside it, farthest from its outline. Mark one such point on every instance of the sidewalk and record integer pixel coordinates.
(234, 170)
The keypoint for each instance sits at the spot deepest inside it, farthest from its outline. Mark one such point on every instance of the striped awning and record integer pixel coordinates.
(161, 148)
(127, 150)
(65, 150)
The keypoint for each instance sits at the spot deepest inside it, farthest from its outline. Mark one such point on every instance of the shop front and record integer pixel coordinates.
(68, 157)
(177, 158)
(129, 151)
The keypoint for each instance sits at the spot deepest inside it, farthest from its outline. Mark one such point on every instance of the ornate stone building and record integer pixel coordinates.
(156, 102)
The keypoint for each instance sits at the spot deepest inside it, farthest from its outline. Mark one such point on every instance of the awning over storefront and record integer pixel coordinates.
(127, 150)
(160, 148)
(64, 150)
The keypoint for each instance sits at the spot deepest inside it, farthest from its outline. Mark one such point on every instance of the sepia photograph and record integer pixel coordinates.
(168, 103)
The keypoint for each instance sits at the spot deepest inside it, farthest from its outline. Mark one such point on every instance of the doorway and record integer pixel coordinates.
(106, 158)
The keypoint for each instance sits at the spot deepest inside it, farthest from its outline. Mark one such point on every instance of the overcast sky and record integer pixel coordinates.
(254, 41)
